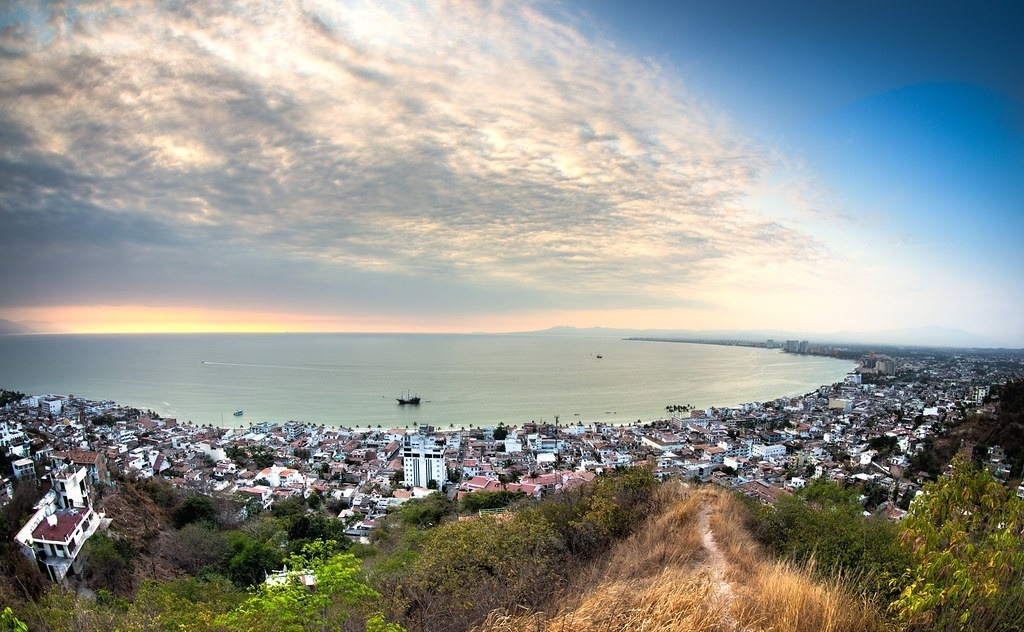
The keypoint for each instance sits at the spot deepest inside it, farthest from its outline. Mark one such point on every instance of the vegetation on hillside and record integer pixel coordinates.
(966, 535)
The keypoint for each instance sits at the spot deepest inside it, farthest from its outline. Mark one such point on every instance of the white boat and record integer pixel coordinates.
(238, 413)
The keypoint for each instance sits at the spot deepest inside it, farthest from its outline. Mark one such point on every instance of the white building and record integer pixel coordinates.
(276, 476)
(768, 452)
(423, 461)
(10, 435)
(63, 521)
(24, 469)
(51, 406)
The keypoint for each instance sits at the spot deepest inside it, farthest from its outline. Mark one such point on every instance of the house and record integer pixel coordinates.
(95, 463)
(64, 519)
(278, 476)
(24, 469)
(259, 493)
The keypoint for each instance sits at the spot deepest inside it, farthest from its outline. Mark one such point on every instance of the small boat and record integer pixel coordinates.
(599, 356)
(412, 400)
(238, 412)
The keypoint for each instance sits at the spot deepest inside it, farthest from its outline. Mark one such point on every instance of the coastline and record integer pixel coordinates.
(351, 380)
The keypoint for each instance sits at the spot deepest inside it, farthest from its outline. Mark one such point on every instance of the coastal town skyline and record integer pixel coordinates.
(467, 167)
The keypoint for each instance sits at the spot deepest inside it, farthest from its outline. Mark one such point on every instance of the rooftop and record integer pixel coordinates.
(67, 520)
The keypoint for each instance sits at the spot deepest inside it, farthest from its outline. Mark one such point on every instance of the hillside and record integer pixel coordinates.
(619, 553)
(695, 566)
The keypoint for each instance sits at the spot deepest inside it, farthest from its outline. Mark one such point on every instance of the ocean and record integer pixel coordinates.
(353, 380)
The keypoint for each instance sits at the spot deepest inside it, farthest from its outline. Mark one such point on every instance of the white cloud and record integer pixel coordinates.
(340, 145)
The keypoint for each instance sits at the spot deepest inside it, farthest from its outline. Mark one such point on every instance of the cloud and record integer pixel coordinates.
(361, 156)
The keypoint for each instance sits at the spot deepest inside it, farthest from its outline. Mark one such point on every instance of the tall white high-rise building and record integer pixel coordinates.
(423, 460)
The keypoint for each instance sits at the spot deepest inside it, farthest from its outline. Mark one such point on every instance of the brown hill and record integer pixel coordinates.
(696, 567)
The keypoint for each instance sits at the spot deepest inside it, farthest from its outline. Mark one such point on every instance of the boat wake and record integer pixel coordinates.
(320, 369)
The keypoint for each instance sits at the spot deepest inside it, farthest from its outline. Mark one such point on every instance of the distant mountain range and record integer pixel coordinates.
(11, 327)
(916, 336)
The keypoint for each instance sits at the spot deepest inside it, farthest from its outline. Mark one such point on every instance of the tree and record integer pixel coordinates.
(824, 522)
(186, 604)
(472, 503)
(316, 527)
(288, 507)
(108, 562)
(315, 501)
(422, 512)
(337, 590)
(262, 458)
(250, 564)
(198, 547)
(468, 569)
(968, 554)
(196, 509)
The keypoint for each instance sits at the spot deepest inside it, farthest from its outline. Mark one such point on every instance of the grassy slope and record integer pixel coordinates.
(695, 567)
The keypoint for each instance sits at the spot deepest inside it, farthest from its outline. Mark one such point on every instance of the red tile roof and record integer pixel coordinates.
(66, 524)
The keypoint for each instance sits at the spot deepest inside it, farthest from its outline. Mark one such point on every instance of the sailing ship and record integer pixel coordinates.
(406, 398)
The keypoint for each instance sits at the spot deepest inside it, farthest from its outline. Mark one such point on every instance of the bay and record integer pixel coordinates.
(353, 379)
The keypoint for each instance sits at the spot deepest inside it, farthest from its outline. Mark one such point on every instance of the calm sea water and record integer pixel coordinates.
(353, 379)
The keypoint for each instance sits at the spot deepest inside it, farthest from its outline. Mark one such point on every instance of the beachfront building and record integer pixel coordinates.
(64, 519)
(423, 461)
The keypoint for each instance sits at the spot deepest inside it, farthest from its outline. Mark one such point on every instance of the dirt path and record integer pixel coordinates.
(722, 589)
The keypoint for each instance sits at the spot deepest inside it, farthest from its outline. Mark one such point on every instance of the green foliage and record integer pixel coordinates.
(9, 397)
(60, 610)
(474, 502)
(108, 562)
(824, 523)
(9, 622)
(315, 501)
(262, 457)
(18, 508)
(467, 569)
(968, 554)
(398, 478)
(591, 518)
(678, 408)
(316, 527)
(501, 432)
(422, 512)
(183, 605)
(291, 606)
(251, 562)
(196, 509)
(885, 445)
(289, 507)
(199, 549)
(451, 576)
(237, 454)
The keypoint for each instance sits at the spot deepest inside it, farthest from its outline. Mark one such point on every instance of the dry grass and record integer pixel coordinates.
(664, 578)
(784, 596)
(670, 601)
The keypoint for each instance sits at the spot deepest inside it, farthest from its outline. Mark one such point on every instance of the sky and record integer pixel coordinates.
(508, 166)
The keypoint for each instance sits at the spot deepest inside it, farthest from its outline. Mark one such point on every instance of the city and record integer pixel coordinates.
(874, 431)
